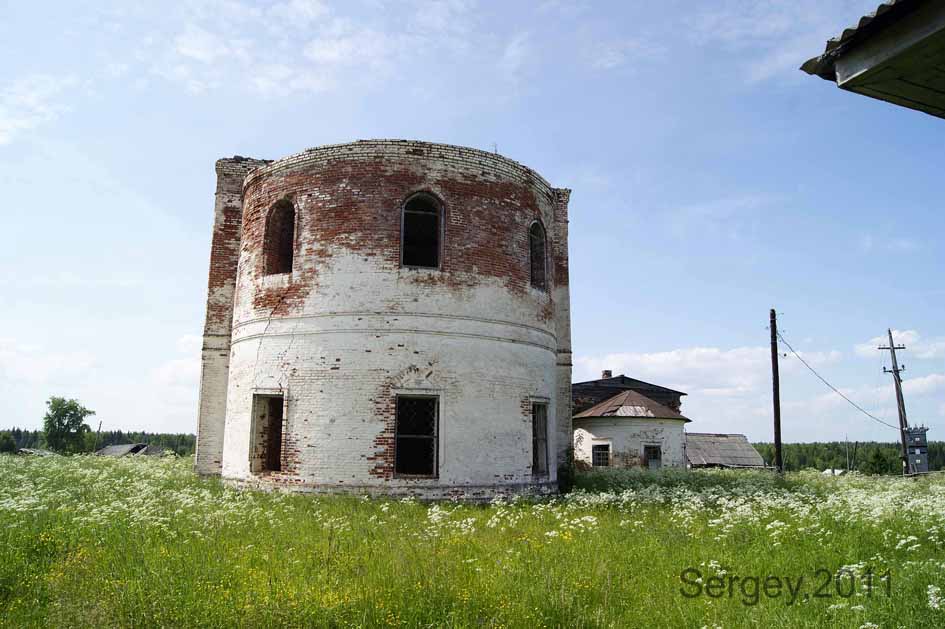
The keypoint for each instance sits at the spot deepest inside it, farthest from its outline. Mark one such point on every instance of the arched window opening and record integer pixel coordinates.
(420, 237)
(280, 238)
(536, 255)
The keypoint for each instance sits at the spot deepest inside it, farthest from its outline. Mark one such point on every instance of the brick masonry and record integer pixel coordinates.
(349, 329)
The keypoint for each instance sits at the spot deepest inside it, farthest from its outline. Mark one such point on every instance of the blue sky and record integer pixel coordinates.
(712, 181)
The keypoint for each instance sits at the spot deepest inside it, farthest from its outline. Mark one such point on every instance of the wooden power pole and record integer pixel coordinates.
(776, 389)
(900, 401)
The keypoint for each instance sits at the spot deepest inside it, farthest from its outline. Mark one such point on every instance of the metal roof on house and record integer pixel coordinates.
(895, 54)
(628, 381)
(721, 450)
(122, 449)
(823, 65)
(630, 403)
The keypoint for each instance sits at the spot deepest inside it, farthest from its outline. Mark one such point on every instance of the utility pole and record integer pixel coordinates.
(900, 401)
(846, 441)
(776, 390)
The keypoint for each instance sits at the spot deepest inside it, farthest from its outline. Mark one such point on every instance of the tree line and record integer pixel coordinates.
(65, 431)
(180, 443)
(869, 457)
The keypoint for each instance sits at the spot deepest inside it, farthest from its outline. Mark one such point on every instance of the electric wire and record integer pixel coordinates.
(835, 389)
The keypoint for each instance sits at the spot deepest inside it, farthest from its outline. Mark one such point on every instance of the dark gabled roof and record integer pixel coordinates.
(721, 450)
(623, 380)
(823, 64)
(630, 403)
(151, 451)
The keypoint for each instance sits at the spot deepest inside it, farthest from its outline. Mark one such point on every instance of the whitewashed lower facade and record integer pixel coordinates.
(629, 442)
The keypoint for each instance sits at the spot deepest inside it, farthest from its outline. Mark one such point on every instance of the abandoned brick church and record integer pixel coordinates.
(387, 317)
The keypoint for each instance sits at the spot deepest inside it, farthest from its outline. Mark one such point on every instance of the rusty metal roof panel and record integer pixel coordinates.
(630, 403)
(721, 450)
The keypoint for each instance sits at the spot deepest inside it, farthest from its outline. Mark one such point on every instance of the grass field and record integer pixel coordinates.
(130, 542)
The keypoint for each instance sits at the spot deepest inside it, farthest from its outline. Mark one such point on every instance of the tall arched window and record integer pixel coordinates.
(536, 255)
(280, 238)
(420, 232)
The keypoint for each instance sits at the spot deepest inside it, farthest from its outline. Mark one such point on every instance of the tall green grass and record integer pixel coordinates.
(129, 542)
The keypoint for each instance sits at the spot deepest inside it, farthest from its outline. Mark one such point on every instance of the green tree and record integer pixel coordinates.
(7, 443)
(877, 462)
(65, 425)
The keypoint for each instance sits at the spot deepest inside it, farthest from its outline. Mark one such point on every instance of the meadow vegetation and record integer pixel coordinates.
(143, 542)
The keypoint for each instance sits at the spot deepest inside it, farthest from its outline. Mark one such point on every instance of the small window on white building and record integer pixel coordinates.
(539, 438)
(600, 455)
(652, 457)
(415, 445)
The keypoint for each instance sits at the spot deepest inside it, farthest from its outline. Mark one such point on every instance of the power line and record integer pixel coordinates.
(835, 389)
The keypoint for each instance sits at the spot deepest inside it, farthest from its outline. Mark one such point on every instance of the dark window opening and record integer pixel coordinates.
(539, 438)
(600, 455)
(266, 453)
(652, 457)
(415, 450)
(536, 255)
(420, 240)
(280, 238)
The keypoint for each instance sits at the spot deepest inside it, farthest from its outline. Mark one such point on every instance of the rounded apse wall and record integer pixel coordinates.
(399, 324)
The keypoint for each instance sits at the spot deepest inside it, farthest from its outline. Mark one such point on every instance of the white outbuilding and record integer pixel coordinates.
(629, 430)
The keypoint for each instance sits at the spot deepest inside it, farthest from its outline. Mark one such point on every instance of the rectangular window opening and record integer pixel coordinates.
(652, 457)
(415, 445)
(539, 438)
(267, 448)
(421, 239)
(600, 455)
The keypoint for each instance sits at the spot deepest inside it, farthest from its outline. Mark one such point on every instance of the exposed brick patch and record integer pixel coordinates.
(348, 328)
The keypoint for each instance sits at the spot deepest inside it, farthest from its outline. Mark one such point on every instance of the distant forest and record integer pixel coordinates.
(869, 457)
(182, 444)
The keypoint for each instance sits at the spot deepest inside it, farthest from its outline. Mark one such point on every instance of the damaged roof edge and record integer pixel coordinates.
(823, 65)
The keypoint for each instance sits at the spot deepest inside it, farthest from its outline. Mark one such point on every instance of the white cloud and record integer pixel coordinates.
(344, 44)
(31, 101)
(299, 12)
(868, 243)
(916, 346)
(517, 54)
(442, 16)
(31, 364)
(729, 390)
(709, 370)
(304, 45)
(607, 55)
(568, 9)
(773, 37)
(728, 217)
(161, 399)
(190, 344)
(878, 400)
(924, 385)
(70, 279)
